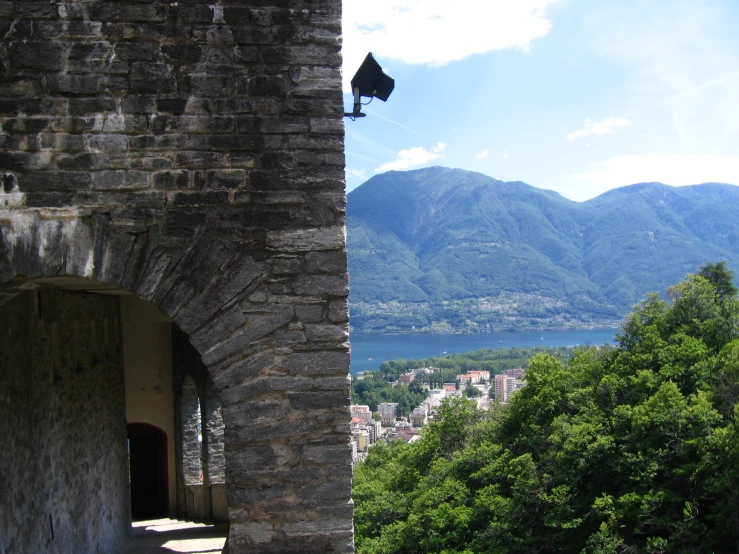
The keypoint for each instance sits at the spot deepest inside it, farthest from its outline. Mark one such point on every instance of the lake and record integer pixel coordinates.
(368, 351)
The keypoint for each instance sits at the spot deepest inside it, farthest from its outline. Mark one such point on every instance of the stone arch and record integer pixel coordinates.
(192, 156)
(283, 399)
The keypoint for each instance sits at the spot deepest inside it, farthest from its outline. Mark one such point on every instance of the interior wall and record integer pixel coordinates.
(63, 460)
(147, 354)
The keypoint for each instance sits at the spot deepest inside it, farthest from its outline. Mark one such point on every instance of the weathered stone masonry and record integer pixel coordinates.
(191, 153)
(63, 471)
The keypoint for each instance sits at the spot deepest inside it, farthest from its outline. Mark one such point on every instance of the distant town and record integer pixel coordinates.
(504, 312)
(368, 427)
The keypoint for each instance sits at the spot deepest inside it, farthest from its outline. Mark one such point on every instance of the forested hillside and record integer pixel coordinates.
(450, 250)
(631, 449)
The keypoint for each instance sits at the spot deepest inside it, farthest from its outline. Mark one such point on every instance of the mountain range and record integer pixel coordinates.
(448, 250)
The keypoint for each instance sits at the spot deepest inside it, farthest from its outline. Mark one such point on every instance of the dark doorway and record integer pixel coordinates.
(147, 455)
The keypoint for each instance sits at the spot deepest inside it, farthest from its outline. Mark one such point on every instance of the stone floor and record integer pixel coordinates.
(164, 536)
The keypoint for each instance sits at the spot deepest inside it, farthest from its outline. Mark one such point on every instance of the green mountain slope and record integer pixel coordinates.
(445, 249)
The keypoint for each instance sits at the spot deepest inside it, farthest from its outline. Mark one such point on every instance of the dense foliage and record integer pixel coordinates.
(458, 250)
(374, 386)
(633, 449)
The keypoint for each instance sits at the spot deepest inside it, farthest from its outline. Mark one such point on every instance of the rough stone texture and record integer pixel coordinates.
(214, 436)
(191, 153)
(190, 419)
(63, 463)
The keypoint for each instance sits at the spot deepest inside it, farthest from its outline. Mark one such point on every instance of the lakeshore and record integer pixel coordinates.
(369, 351)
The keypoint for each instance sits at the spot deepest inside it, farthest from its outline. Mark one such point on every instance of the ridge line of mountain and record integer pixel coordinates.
(448, 250)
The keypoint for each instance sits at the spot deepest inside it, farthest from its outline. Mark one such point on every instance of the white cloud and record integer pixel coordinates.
(414, 157)
(360, 174)
(669, 168)
(599, 128)
(436, 32)
(483, 155)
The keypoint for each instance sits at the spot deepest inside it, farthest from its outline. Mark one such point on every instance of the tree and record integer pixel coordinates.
(721, 277)
(628, 449)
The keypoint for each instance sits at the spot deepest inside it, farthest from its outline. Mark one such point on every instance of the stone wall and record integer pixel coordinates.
(63, 461)
(191, 153)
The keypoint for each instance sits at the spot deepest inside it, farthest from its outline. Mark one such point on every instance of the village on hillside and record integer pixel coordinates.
(368, 427)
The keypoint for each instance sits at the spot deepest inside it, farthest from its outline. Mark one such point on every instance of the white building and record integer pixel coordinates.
(506, 384)
(388, 411)
(375, 431)
(362, 412)
(420, 416)
(361, 437)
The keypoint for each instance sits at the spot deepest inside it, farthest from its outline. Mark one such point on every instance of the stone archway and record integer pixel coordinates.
(191, 154)
(279, 367)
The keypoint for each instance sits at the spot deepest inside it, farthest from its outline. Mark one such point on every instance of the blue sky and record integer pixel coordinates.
(577, 96)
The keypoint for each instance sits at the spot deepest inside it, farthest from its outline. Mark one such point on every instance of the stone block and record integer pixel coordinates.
(285, 266)
(254, 493)
(200, 124)
(152, 78)
(36, 55)
(139, 104)
(254, 413)
(268, 431)
(69, 29)
(117, 179)
(24, 161)
(171, 179)
(292, 383)
(263, 85)
(319, 363)
(319, 400)
(309, 313)
(75, 83)
(258, 325)
(338, 311)
(171, 105)
(246, 392)
(326, 333)
(322, 284)
(47, 181)
(202, 159)
(237, 373)
(326, 490)
(306, 240)
(245, 536)
(89, 106)
(73, 10)
(317, 527)
(327, 454)
(183, 53)
(135, 50)
(331, 261)
(108, 143)
(123, 12)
